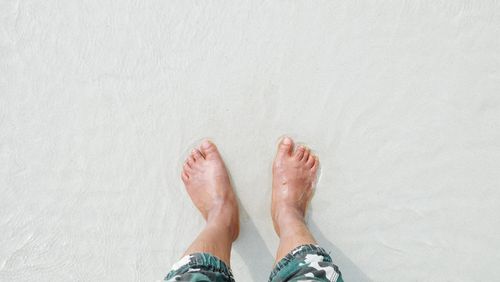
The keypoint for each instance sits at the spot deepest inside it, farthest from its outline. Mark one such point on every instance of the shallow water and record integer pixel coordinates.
(100, 101)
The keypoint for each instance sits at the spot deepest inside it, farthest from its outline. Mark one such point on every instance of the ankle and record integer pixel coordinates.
(289, 220)
(225, 219)
(287, 215)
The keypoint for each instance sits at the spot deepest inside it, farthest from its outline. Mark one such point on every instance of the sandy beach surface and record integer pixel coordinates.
(100, 101)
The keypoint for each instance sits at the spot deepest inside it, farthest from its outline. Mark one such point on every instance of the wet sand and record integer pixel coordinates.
(100, 101)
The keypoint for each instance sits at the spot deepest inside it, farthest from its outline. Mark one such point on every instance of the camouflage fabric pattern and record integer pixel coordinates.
(304, 263)
(200, 267)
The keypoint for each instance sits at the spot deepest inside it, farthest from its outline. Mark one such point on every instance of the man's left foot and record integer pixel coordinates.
(294, 175)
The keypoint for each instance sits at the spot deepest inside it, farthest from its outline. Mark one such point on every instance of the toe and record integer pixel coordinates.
(190, 161)
(299, 153)
(196, 155)
(209, 150)
(187, 168)
(285, 147)
(307, 152)
(184, 176)
(310, 161)
(316, 164)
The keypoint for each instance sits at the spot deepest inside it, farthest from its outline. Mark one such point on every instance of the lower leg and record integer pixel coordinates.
(216, 238)
(293, 232)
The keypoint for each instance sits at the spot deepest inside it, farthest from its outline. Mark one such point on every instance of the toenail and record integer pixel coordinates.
(287, 141)
(206, 144)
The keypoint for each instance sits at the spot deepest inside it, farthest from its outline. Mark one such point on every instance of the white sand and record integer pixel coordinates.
(100, 101)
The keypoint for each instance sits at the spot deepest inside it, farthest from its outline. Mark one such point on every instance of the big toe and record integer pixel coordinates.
(285, 147)
(209, 150)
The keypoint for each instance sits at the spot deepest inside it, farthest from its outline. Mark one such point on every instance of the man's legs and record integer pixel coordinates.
(207, 183)
(298, 257)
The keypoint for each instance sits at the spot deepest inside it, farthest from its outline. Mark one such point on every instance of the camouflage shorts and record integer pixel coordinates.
(304, 263)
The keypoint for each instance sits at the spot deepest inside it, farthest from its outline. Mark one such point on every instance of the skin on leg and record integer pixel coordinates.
(207, 183)
(213, 240)
(294, 176)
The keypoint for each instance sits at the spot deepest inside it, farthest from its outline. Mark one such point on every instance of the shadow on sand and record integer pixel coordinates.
(350, 272)
(252, 249)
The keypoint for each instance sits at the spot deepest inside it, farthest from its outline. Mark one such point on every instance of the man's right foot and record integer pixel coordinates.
(207, 183)
(294, 176)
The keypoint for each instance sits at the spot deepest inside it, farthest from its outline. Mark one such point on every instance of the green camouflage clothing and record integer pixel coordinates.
(199, 267)
(304, 263)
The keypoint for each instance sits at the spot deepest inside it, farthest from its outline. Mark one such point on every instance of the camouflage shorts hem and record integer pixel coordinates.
(200, 267)
(306, 263)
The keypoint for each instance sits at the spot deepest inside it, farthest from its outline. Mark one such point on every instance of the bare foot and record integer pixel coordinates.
(294, 176)
(207, 183)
